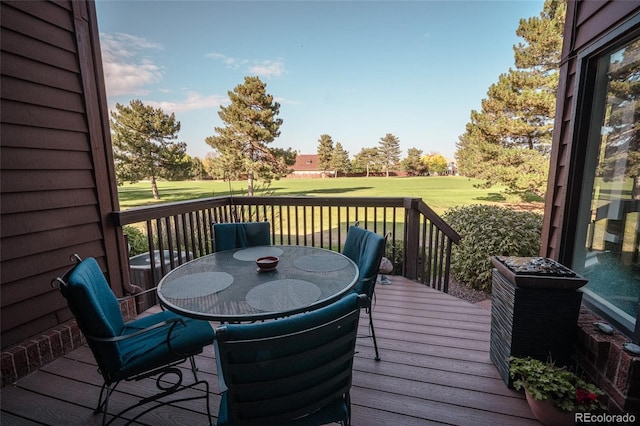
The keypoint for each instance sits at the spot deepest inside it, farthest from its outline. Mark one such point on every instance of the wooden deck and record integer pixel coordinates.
(435, 369)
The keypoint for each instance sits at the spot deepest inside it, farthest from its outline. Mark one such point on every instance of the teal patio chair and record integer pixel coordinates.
(228, 236)
(291, 371)
(366, 249)
(146, 347)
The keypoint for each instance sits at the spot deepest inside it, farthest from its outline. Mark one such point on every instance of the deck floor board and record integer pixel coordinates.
(435, 369)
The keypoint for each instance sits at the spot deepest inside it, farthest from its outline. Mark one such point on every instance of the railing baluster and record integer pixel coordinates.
(384, 221)
(424, 278)
(393, 235)
(189, 235)
(313, 225)
(170, 245)
(322, 226)
(207, 222)
(375, 220)
(288, 223)
(347, 220)
(150, 242)
(297, 226)
(440, 260)
(436, 258)
(273, 221)
(330, 226)
(304, 225)
(411, 240)
(339, 219)
(426, 239)
(281, 224)
(179, 241)
(432, 248)
(198, 249)
(160, 250)
(447, 265)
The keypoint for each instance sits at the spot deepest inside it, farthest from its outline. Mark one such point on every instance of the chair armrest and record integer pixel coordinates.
(364, 301)
(371, 278)
(140, 293)
(173, 322)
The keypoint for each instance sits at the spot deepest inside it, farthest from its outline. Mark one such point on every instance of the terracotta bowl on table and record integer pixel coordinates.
(267, 263)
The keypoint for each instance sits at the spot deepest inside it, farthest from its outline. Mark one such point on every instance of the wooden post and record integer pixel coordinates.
(412, 236)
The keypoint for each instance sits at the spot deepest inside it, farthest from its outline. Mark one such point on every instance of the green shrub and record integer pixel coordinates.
(488, 231)
(138, 240)
(394, 251)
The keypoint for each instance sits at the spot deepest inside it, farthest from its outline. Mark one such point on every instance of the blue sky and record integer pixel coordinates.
(355, 70)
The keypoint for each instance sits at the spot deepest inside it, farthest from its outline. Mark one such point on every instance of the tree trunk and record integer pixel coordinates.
(154, 188)
(635, 189)
(250, 184)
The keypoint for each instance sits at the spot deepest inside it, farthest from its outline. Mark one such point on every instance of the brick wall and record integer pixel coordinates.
(32, 354)
(607, 364)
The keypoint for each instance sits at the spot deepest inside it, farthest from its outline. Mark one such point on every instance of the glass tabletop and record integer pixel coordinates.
(227, 286)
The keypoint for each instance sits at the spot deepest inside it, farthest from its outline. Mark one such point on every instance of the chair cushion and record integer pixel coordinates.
(92, 301)
(366, 249)
(97, 312)
(335, 412)
(293, 323)
(312, 367)
(150, 349)
(228, 236)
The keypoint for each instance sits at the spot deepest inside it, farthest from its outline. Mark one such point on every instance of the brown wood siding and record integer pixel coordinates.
(57, 188)
(586, 22)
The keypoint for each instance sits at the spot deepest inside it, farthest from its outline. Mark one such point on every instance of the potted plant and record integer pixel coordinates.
(554, 394)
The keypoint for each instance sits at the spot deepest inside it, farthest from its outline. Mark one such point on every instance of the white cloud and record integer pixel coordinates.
(285, 101)
(264, 68)
(229, 61)
(268, 68)
(193, 101)
(127, 67)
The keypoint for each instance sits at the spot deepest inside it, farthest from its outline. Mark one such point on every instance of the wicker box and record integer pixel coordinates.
(141, 275)
(537, 320)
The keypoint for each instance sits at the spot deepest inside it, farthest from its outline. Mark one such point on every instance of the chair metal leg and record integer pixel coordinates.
(154, 400)
(103, 404)
(373, 334)
(347, 421)
(194, 368)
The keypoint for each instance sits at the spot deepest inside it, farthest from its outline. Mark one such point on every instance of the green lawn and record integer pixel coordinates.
(440, 193)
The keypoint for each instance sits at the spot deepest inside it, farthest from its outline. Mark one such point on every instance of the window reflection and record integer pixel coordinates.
(611, 259)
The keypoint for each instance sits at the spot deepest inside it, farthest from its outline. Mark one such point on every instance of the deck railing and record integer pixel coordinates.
(419, 242)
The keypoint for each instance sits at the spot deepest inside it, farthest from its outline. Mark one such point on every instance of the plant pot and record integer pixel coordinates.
(547, 413)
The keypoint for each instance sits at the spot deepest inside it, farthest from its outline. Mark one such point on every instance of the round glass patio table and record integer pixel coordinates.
(227, 286)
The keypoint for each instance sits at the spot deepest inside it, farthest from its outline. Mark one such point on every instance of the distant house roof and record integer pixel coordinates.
(306, 162)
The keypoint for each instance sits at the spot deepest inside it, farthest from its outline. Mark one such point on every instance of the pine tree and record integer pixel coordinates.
(144, 145)
(251, 124)
(368, 159)
(325, 152)
(413, 164)
(340, 159)
(389, 150)
(519, 111)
